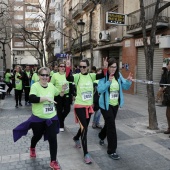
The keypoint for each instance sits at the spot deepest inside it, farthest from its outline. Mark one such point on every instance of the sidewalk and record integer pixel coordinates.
(138, 147)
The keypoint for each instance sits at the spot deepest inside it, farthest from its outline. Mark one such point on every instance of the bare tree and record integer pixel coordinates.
(149, 56)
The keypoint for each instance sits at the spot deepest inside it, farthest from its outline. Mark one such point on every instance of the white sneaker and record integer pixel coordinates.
(61, 129)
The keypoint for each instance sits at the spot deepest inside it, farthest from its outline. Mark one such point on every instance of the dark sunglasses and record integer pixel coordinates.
(82, 67)
(113, 66)
(62, 66)
(44, 75)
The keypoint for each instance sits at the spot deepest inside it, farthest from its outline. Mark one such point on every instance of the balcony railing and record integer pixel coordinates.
(87, 4)
(134, 21)
(77, 10)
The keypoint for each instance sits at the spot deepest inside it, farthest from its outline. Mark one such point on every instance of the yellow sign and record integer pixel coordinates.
(115, 18)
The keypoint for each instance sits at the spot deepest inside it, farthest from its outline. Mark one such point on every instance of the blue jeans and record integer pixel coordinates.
(96, 117)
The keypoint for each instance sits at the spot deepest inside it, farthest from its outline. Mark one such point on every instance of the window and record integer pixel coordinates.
(19, 0)
(32, 9)
(31, 42)
(18, 17)
(18, 35)
(20, 52)
(52, 17)
(58, 6)
(57, 24)
(18, 44)
(57, 43)
(18, 25)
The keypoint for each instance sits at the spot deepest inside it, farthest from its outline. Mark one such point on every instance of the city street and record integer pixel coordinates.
(138, 147)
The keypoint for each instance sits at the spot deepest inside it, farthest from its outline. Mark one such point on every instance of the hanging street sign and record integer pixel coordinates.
(116, 18)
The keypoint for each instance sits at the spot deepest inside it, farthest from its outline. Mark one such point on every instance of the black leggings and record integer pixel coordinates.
(9, 87)
(18, 96)
(27, 91)
(39, 129)
(84, 122)
(63, 108)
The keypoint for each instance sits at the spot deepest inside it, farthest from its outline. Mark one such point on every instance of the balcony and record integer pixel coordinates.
(85, 41)
(88, 4)
(135, 24)
(52, 8)
(51, 26)
(77, 10)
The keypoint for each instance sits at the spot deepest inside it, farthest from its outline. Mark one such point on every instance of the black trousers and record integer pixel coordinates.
(109, 129)
(84, 122)
(39, 129)
(27, 91)
(18, 96)
(9, 87)
(63, 108)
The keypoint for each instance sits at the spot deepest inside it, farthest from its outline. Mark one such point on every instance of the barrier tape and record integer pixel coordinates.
(148, 82)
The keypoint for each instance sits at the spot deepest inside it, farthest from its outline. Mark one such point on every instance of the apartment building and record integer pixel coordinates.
(25, 20)
(5, 34)
(54, 43)
(133, 58)
(102, 40)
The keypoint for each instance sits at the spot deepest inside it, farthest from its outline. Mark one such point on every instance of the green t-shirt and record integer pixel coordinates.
(35, 77)
(58, 80)
(7, 77)
(84, 85)
(114, 93)
(18, 82)
(45, 110)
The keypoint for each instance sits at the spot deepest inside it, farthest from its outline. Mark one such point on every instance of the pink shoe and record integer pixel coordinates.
(54, 165)
(32, 153)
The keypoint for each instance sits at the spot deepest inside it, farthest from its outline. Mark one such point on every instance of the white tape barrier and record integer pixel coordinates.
(148, 82)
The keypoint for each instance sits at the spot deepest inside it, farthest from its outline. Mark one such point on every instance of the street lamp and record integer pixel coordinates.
(81, 25)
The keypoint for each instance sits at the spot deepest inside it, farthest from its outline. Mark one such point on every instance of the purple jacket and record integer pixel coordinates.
(22, 129)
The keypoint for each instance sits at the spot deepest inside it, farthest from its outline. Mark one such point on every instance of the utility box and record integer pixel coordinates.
(164, 41)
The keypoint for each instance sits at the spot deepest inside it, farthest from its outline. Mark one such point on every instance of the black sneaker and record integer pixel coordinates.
(16, 106)
(20, 104)
(114, 156)
(101, 142)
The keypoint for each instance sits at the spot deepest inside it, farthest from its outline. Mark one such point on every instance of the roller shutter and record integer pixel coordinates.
(141, 70)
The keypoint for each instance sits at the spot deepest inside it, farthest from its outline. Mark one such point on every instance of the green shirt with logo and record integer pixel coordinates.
(114, 93)
(35, 77)
(7, 77)
(18, 82)
(58, 80)
(44, 110)
(84, 85)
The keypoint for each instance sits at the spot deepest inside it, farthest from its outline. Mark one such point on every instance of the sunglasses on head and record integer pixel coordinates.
(44, 75)
(82, 67)
(62, 66)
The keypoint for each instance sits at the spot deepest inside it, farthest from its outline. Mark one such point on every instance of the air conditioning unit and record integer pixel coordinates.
(104, 36)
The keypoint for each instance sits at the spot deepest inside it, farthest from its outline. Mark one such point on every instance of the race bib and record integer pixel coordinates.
(48, 108)
(114, 95)
(17, 81)
(86, 95)
(67, 87)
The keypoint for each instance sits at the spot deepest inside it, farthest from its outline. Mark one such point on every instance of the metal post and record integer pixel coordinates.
(81, 46)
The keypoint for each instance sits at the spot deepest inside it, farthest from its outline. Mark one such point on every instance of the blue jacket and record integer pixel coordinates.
(103, 89)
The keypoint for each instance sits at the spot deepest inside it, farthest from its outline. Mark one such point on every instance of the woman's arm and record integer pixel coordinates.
(126, 83)
(103, 86)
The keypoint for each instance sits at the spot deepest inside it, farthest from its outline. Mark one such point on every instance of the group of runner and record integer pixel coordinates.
(51, 102)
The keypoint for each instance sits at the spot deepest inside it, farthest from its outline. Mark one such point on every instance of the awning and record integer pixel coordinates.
(108, 46)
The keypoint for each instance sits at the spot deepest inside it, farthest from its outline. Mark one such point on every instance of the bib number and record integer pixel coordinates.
(48, 108)
(17, 81)
(114, 95)
(86, 96)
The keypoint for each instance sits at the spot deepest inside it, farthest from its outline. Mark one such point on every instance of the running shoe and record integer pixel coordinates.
(77, 143)
(87, 159)
(54, 165)
(20, 104)
(101, 142)
(114, 156)
(61, 129)
(32, 153)
(98, 126)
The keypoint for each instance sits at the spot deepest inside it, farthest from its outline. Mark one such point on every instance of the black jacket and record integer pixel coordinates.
(26, 79)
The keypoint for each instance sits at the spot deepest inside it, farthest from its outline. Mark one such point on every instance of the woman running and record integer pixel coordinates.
(83, 105)
(7, 80)
(44, 120)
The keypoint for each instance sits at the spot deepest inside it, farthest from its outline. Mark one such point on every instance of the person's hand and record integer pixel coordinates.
(50, 100)
(105, 62)
(130, 76)
(68, 63)
(111, 76)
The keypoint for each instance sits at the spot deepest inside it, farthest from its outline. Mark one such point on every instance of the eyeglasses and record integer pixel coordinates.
(82, 67)
(62, 66)
(113, 66)
(44, 75)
